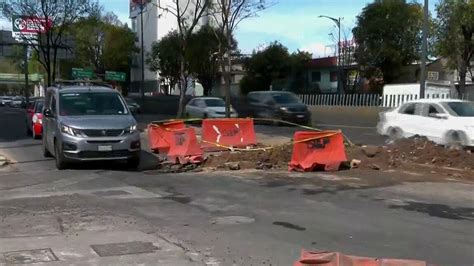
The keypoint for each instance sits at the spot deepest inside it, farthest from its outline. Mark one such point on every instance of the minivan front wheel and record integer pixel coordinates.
(60, 160)
(46, 153)
(133, 163)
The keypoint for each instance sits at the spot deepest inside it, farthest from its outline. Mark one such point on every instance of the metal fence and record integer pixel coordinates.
(341, 99)
(370, 100)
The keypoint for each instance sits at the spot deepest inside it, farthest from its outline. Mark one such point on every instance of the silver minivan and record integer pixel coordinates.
(89, 123)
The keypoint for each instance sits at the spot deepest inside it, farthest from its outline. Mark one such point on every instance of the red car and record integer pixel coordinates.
(34, 120)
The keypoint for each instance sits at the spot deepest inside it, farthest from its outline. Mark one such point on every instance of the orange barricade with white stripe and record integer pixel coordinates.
(159, 135)
(184, 147)
(317, 150)
(228, 132)
(339, 259)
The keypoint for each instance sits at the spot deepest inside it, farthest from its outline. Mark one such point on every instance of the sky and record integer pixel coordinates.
(294, 23)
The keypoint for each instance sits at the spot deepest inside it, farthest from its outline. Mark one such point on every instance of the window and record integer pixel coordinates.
(315, 76)
(333, 76)
(91, 103)
(285, 98)
(408, 109)
(464, 109)
(253, 99)
(215, 102)
(39, 107)
(434, 109)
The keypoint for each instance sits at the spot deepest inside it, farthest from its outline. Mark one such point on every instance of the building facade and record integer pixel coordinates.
(157, 22)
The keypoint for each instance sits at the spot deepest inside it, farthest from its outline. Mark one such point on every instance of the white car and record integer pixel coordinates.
(444, 121)
(207, 107)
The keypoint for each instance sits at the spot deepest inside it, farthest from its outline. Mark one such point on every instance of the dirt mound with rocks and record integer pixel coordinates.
(277, 157)
(418, 151)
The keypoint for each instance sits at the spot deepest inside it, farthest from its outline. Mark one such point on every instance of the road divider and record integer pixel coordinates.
(339, 259)
(160, 134)
(317, 150)
(312, 150)
(184, 147)
(232, 132)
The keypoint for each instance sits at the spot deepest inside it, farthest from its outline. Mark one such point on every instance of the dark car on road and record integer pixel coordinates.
(279, 105)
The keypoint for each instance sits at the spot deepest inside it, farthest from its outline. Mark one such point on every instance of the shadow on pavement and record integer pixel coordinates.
(147, 162)
(13, 124)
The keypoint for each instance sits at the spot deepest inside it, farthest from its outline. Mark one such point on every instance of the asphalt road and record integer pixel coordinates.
(220, 218)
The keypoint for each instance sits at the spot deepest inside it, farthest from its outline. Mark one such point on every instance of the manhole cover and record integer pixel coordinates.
(29, 256)
(118, 249)
(233, 220)
(110, 193)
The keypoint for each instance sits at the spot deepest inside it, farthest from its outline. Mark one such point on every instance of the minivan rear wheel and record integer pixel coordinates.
(60, 160)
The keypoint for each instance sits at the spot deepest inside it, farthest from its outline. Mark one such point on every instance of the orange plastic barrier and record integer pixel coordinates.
(339, 259)
(315, 150)
(159, 135)
(231, 132)
(184, 147)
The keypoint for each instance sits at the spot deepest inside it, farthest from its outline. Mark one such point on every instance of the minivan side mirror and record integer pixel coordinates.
(47, 113)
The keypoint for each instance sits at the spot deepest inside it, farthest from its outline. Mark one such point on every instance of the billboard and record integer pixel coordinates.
(29, 26)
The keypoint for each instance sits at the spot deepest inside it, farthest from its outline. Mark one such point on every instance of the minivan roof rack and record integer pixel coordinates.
(80, 82)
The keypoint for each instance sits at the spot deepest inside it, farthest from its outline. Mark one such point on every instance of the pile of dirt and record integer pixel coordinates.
(416, 150)
(277, 157)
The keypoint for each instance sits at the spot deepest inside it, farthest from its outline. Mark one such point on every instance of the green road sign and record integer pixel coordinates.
(117, 76)
(80, 73)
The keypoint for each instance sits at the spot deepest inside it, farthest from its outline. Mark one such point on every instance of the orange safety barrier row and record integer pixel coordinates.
(317, 150)
(159, 135)
(184, 147)
(232, 132)
(338, 259)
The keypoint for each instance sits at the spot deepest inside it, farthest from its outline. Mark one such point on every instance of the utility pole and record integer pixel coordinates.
(142, 83)
(424, 51)
(337, 21)
(25, 66)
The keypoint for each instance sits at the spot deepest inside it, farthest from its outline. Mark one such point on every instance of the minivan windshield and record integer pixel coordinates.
(285, 98)
(91, 103)
(465, 109)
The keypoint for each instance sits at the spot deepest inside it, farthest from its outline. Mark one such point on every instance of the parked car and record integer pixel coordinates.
(89, 123)
(133, 106)
(279, 105)
(18, 102)
(208, 107)
(444, 121)
(34, 118)
(6, 101)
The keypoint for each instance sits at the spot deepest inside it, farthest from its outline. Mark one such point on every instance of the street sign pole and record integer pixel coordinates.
(27, 92)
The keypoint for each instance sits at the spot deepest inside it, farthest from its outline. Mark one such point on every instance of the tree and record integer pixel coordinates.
(227, 15)
(58, 17)
(268, 64)
(188, 14)
(97, 46)
(455, 36)
(203, 55)
(388, 36)
(298, 70)
(165, 58)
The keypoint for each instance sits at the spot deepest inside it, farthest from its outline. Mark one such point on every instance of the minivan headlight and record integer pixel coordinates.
(71, 131)
(131, 129)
